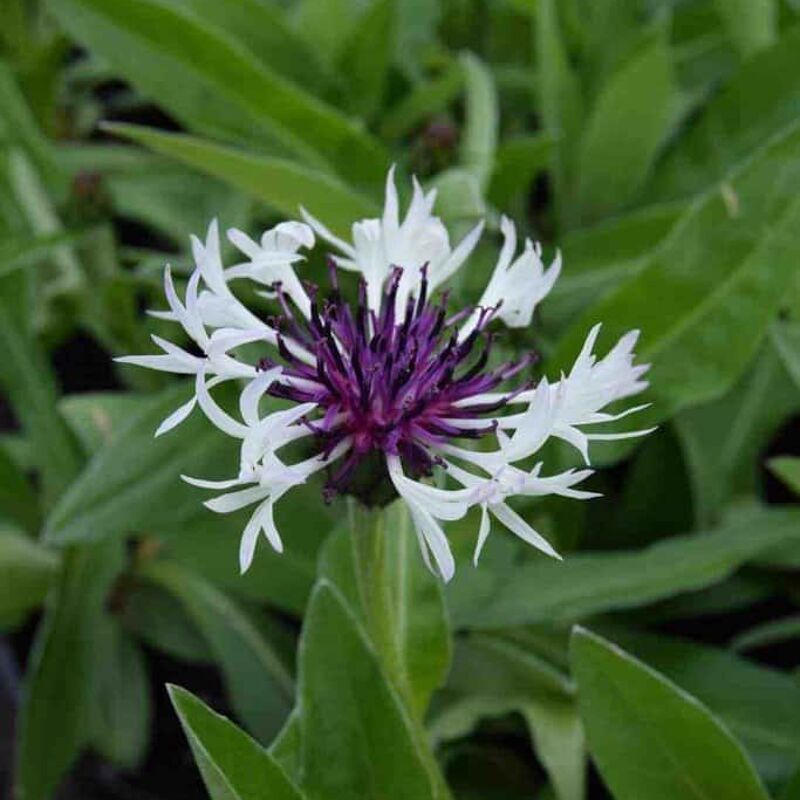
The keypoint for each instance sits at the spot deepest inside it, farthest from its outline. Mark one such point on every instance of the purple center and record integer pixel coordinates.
(391, 385)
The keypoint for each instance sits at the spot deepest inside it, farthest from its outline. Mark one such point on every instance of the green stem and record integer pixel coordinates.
(374, 585)
(379, 595)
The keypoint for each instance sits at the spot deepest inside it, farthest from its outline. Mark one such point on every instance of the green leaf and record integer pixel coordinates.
(233, 766)
(723, 439)
(58, 691)
(38, 208)
(121, 703)
(655, 500)
(768, 633)
(494, 674)
(591, 583)
(283, 580)
(791, 791)
(325, 24)
(787, 469)
(494, 665)
(760, 705)
(161, 621)
(286, 747)
(785, 336)
(365, 57)
(18, 503)
(283, 185)
(97, 417)
(611, 31)
(599, 258)
(30, 385)
(419, 614)
(560, 101)
(751, 24)
(517, 162)
(259, 685)
(27, 571)
(757, 102)
(707, 295)
(479, 137)
(555, 729)
(558, 738)
(263, 29)
(736, 593)
(18, 125)
(357, 741)
(216, 86)
(458, 195)
(649, 738)
(628, 123)
(418, 24)
(134, 482)
(423, 101)
(18, 254)
(174, 199)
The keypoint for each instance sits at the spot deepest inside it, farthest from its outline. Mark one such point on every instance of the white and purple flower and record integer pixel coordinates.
(390, 390)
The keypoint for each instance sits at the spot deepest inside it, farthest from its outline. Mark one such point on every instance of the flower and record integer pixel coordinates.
(385, 392)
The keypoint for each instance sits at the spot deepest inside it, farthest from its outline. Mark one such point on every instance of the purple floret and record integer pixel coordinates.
(391, 385)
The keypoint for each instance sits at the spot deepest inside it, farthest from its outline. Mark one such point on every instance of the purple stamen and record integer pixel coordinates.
(390, 383)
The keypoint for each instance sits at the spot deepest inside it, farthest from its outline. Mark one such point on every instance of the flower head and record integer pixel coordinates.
(389, 390)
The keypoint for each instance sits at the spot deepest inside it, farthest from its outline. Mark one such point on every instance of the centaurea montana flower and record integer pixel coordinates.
(383, 390)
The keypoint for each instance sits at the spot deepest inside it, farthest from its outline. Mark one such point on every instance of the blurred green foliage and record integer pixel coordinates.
(657, 144)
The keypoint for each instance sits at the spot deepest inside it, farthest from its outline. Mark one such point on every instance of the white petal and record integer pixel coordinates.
(575, 437)
(176, 417)
(251, 395)
(215, 414)
(241, 241)
(326, 234)
(610, 437)
(268, 524)
(483, 534)
(247, 545)
(427, 528)
(391, 221)
(517, 525)
(461, 253)
(168, 316)
(227, 503)
(293, 234)
(601, 417)
(160, 363)
(202, 483)
(435, 539)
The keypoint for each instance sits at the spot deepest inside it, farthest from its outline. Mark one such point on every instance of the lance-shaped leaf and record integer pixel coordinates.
(651, 739)
(233, 766)
(705, 298)
(259, 684)
(30, 385)
(628, 123)
(759, 100)
(281, 184)
(202, 77)
(479, 139)
(134, 481)
(55, 719)
(591, 583)
(760, 705)
(27, 570)
(357, 739)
